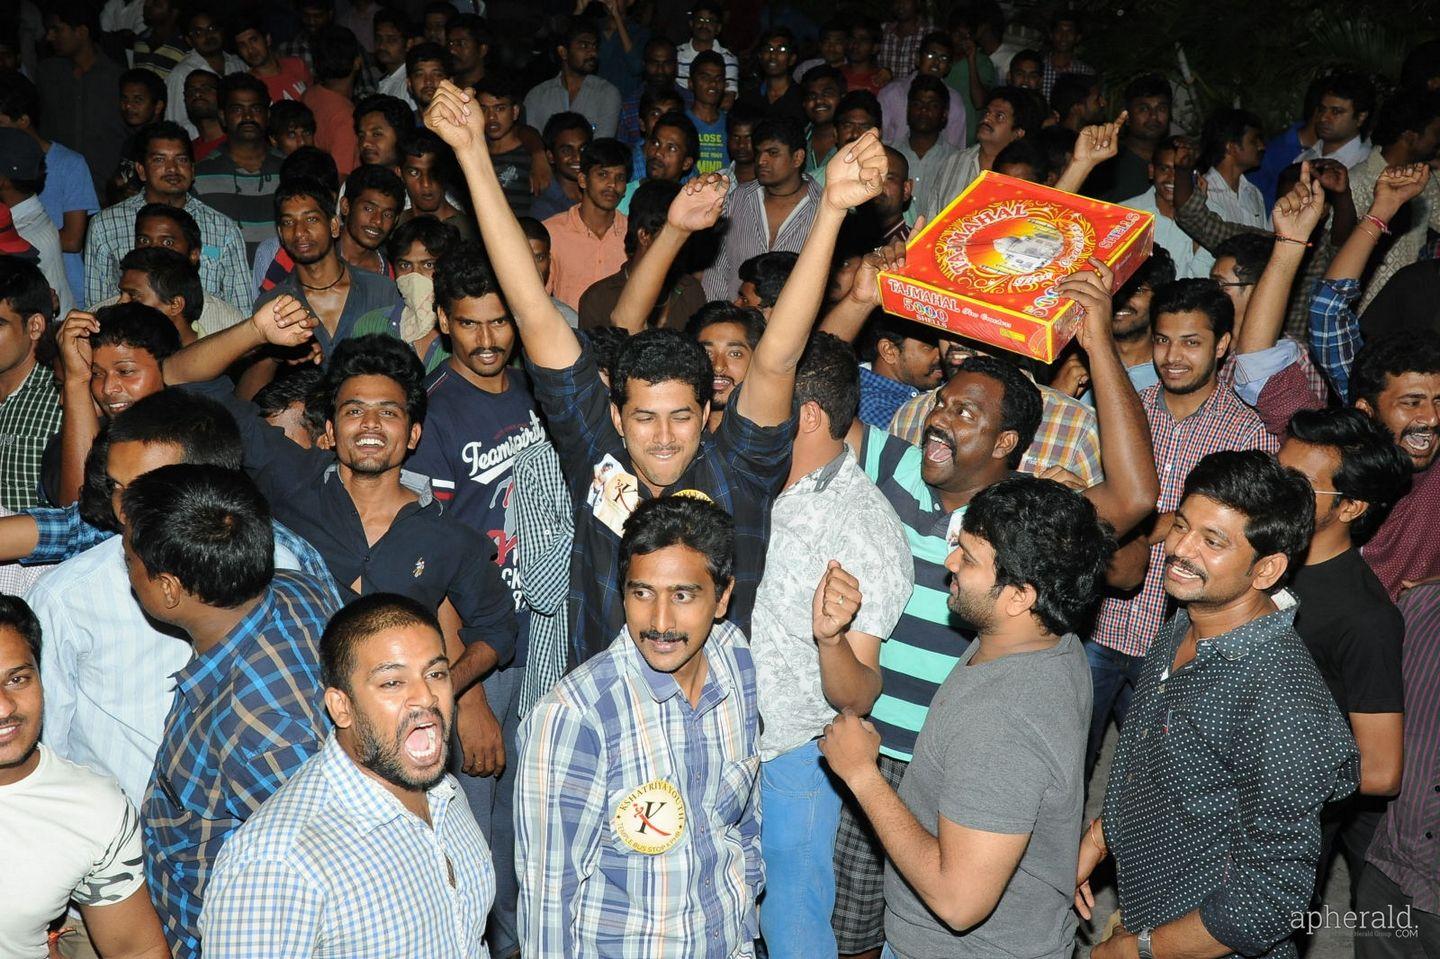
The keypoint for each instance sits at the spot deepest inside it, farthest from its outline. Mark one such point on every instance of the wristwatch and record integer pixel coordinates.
(1142, 941)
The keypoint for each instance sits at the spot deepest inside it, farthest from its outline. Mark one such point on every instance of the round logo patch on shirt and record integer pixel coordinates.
(694, 494)
(651, 819)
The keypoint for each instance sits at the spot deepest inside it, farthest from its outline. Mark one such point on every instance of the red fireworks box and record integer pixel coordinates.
(986, 268)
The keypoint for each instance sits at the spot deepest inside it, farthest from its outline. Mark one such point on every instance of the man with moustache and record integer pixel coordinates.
(374, 802)
(898, 367)
(240, 178)
(729, 334)
(587, 241)
(1233, 743)
(576, 87)
(637, 808)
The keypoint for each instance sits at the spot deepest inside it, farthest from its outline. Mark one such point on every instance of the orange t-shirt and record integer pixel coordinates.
(334, 126)
(291, 82)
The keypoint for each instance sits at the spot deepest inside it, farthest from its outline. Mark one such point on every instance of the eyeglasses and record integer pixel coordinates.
(709, 21)
(1227, 284)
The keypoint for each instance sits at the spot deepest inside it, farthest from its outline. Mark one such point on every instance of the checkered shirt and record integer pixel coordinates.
(1049, 73)
(334, 866)
(1335, 330)
(28, 418)
(545, 520)
(880, 397)
(608, 728)
(246, 716)
(897, 53)
(1223, 422)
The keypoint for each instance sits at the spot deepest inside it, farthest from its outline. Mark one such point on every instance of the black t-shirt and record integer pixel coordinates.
(1353, 631)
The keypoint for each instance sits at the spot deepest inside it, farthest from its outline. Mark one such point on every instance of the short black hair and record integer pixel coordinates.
(311, 163)
(649, 209)
(1372, 468)
(723, 311)
(396, 19)
(202, 429)
(171, 274)
(334, 50)
(182, 219)
(937, 38)
(823, 71)
(925, 83)
(19, 97)
(233, 83)
(137, 326)
(829, 376)
(501, 86)
(1027, 110)
(1411, 110)
(1148, 85)
(562, 122)
(472, 24)
(373, 176)
(1422, 64)
(1154, 272)
(149, 79)
(1277, 502)
(75, 14)
(463, 272)
(24, 289)
(650, 98)
(437, 236)
(427, 52)
(295, 384)
(768, 271)
(1058, 143)
(575, 27)
(16, 614)
(1355, 87)
(708, 58)
(1199, 295)
(1021, 405)
(685, 521)
(287, 115)
(1223, 127)
(1048, 538)
(359, 620)
(378, 354)
(605, 343)
(397, 112)
(1030, 54)
(1070, 91)
(1392, 354)
(686, 126)
(662, 356)
(1026, 151)
(159, 130)
(207, 526)
(853, 100)
(304, 187)
(606, 152)
(534, 230)
(1251, 252)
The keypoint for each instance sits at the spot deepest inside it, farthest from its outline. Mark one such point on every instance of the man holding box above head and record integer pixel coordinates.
(645, 438)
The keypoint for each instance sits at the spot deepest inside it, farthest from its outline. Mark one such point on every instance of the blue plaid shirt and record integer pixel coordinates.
(247, 714)
(1335, 331)
(740, 467)
(880, 397)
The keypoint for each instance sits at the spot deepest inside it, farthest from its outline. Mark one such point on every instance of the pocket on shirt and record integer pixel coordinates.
(738, 782)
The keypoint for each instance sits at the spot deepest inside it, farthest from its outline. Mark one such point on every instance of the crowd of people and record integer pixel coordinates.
(462, 497)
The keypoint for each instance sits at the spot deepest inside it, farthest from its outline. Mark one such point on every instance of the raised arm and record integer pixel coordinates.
(79, 422)
(1294, 217)
(1093, 146)
(1397, 186)
(1131, 487)
(696, 207)
(852, 177)
(847, 318)
(284, 321)
(548, 340)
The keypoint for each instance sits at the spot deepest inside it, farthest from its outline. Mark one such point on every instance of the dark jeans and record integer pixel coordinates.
(1113, 676)
(1418, 935)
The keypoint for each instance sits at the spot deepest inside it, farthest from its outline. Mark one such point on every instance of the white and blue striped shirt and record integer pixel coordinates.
(333, 865)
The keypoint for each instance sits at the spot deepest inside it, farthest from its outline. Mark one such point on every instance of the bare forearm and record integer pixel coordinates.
(1343, 217)
(1355, 253)
(210, 356)
(791, 320)
(908, 844)
(1131, 483)
(647, 280)
(846, 681)
(19, 536)
(1265, 316)
(476, 662)
(78, 428)
(846, 319)
(1076, 172)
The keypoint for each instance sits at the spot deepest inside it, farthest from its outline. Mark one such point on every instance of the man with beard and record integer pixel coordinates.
(729, 334)
(1147, 105)
(285, 78)
(426, 64)
(637, 807)
(660, 71)
(1191, 414)
(368, 211)
(1191, 260)
(1077, 100)
(380, 122)
(240, 178)
(576, 87)
(425, 169)
(707, 111)
(922, 144)
(165, 164)
(78, 87)
(1233, 743)
(247, 711)
(1010, 113)
(345, 301)
(936, 53)
(201, 91)
(902, 360)
(467, 37)
(206, 33)
(566, 136)
(286, 881)
(977, 433)
(980, 835)
(587, 241)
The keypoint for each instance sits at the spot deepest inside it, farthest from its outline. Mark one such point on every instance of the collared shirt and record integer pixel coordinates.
(1222, 422)
(175, 84)
(156, 55)
(598, 101)
(224, 269)
(1192, 260)
(923, 170)
(397, 85)
(954, 175)
(246, 715)
(1215, 793)
(1419, 215)
(241, 195)
(28, 418)
(108, 669)
(608, 728)
(369, 306)
(1335, 331)
(880, 397)
(894, 100)
(897, 53)
(685, 55)
(749, 233)
(599, 301)
(1407, 841)
(552, 201)
(35, 227)
(1049, 72)
(1243, 205)
(545, 518)
(1068, 437)
(344, 870)
(1351, 153)
(870, 545)
(578, 257)
(740, 467)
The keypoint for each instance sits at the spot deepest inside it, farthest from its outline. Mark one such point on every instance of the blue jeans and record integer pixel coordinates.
(800, 810)
(1113, 676)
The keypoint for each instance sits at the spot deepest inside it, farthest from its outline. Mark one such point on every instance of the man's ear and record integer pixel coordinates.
(887, 351)
(334, 228)
(338, 704)
(689, 165)
(415, 430)
(171, 590)
(907, 192)
(443, 320)
(344, 207)
(1005, 444)
(35, 326)
(1363, 405)
(1269, 569)
(175, 309)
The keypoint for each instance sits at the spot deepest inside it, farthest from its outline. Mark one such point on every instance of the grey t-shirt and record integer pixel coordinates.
(1002, 750)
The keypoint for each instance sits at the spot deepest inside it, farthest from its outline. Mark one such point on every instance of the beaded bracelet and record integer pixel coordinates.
(1290, 239)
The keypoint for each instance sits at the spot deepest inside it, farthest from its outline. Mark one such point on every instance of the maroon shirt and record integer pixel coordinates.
(1404, 547)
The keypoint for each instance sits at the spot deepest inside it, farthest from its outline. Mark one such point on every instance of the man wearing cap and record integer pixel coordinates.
(22, 177)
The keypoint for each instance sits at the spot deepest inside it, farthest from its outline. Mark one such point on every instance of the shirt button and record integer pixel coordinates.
(1160, 688)
(1144, 733)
